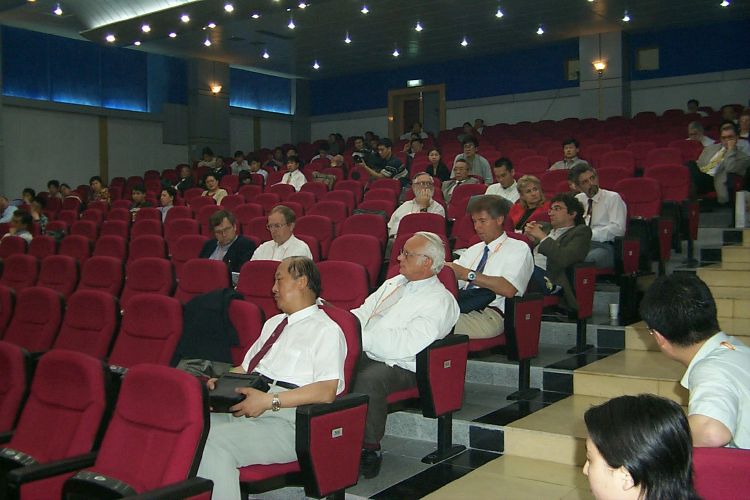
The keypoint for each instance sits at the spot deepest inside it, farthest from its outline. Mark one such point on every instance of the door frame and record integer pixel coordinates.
(393, 95)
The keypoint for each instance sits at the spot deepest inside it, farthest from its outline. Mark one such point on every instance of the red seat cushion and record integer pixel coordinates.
(255, 473)
(397, 396)
(484, 344)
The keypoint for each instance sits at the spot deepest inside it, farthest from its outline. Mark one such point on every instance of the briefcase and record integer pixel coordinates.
(224, 396)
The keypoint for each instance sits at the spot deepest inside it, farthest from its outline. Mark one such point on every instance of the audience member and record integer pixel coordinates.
(227, 245)
(68, 192)
(323, 153)
(605, 214)
(21, 225)
(405, 315)
(99, 191)
(337, 162)
(479, 126)
(424, 188)
(495, 268)
(305, 366)
(334, 148)
(166, 199)
(436, 167)
(638, 448)
(6, 209)
(185, 180)
(680, 313)
(745, 125)
(53, 188)
(468, 131)
(239, 164)
(27, 196)
(369, 136)
(213, 162)
(692, 107)
(211, 181)
(460, 176)
(139, 201)
(695, 133)
(711, 171)
(506, 185)
(411, 149)
(292, 152)
(360, 149)
(728, 113)
(37, 213)
(246, 177)
(283, 243)
(416, 128)
(293, 176)
(478, 164)
(385, 165)
(559, 248)
(570, 156)
(530, 205)
(276, 162)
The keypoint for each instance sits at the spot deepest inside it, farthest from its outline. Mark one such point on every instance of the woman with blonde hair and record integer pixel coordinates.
(530, 205)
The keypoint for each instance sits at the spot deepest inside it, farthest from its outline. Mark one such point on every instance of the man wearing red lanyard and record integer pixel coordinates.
(498, 263)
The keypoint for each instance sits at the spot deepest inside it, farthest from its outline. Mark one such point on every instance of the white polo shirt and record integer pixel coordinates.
(294, 178)
(293, 247)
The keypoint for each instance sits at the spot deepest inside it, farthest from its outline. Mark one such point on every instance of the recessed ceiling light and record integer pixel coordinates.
(347, 39)
(137, 43)
(724, 3)
(58, 10)
(364, 9)
(316, 65)
(499, 13)
(540, 30)
(211, 25)
(626, 17)
(229, 7)
(396, 53)
(146, 28)
(172, 35)
(185, 18)
(464, 42)
(418, 27)
(207, 43)
(111, 38)
(291, 24)
(302, 5)
(266, 55)
(255, 15)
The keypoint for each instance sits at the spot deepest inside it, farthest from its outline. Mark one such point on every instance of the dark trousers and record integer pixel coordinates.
(378, 380)
(701, 183)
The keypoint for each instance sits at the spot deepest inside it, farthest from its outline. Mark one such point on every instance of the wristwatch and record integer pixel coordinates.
(471, 276)
(275, 402)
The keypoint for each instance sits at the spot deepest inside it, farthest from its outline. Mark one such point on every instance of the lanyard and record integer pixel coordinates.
(497, 249)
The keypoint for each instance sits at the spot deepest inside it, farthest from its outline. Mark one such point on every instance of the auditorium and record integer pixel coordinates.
(287, 249)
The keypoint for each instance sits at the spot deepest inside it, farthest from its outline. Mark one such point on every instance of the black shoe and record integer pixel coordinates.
(370, 461)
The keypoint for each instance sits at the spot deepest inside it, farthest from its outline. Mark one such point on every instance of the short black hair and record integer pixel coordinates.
(40, 200)
(575, 172)
(681, 308)
(29, 191)
(24, 217)
(170, 191)
(417, 139)
(571, 204)
(210, 174)
(504, 162)
(691, 101)
(138, 188)
(470, 139)
(570, 140)
(66, 185)
(53, 183)
(323, 146)
(207, 151)
(493, 204)
(96, 178)
(385, 142)
(304, 266)
(238, 153)
(293, 159)
(729, 124)
(358, 137)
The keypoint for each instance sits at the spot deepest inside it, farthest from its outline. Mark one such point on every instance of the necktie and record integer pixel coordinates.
(423, 210)
(588, 212)
(714, 162)
(267, 346)
(288, 178)
(482, 263)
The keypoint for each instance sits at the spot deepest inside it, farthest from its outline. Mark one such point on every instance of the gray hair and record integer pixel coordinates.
(698, 126)
(433, 249)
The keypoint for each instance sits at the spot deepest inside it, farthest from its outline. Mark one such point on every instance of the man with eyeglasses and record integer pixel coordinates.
(423, 187)
(406, 314)
(283, 243)
(227, 245)
(718, 163)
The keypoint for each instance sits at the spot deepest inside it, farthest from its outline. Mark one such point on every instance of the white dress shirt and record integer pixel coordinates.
(510, 193)
(509, 258)
(610, 215)
(294, 178)
(403, 317)
(293, 247)
(411, 207)
(311, 348)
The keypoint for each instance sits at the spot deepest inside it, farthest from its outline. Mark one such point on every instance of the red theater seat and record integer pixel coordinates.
(42, 246)
(102, 274)
(12, 245)
(20, 271)
(188, 247)
(146, 226)
(91, 320)
(112, 227)
(7, 303)
(36, 319)
(411, 223)
(319, 227)
(256, 281)
(148, 245)
(111, 246)
(721, 473)
(15, 377)
(201, 276)
(362, 249)
(149, 275)
(344, 284)
(59, 273)
(369, 224)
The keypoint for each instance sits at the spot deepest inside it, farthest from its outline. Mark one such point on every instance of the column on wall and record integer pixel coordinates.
(607, 94)
(208, 111)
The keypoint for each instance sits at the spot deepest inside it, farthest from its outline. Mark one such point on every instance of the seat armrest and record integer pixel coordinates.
(184, 489)
(35, 472)
(441, 373)
(340, 403)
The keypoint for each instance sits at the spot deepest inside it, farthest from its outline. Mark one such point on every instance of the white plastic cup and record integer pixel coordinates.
(614, 311)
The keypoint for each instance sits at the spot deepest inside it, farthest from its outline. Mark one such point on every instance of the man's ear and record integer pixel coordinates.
(661, 341)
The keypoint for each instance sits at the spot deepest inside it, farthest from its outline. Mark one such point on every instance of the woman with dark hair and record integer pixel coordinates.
(99, 191)
(437, 168)
(530, 205)
(37, 213)
(211, 181)
(639, 448)
(28, 195)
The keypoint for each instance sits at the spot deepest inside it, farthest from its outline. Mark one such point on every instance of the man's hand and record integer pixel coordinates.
(423, 197)
(534, 231)
(460, 271)
(254, 404)
(211, 383)
(731, 144)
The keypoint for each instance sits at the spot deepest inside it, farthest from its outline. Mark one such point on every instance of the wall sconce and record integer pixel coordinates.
(215, 88)
(599, 67)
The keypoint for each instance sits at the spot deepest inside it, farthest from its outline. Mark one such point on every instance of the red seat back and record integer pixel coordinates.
(640, 150)
(369, 224)
(256, 282)
(690, 150)
(411, 223)
(146, 226)
(304, 198)
(381, 194)
(148, 245)
(102, 274)
(91, 320)
(319, 227)
(12, 245)
(674, 181)
(247, 318)
(36, 319)
(59, 273)
(344, 284)
(460, 199)
(148, 213)
(316, 188)
(111, 246)
(15, 372)
(230, 183)
(86, 228)
(355, 187)
(20, 271)
(150, 275)
(721, 473)
(201, 276)
(112, 227)
(283, 191)
(267, 200)
(149, 332)
(363, 249)
(232, 201)
(188, 247)
(532, 165)
(641, 195)
(199, 202)
(346, 197)
(619, 158)
(386, 205)
(662, 156)
(312, 243)
(176, 228)
(178, 212)
(610, 176)
(7, 302)
(392, 184)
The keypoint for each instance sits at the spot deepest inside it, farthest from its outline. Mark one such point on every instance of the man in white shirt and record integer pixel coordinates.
(478, 164)
(21, 225)
(239, 163)
(570, 156)
(416, 129)
(605, 213)
(405, 315)
(692, 107)
(424, 188)
(506, 185)
(498, 263)
(6, 209)
(304, 366)
(283, 243)
(695, 133)
(479, 126)
(681, 315)
(293, 176)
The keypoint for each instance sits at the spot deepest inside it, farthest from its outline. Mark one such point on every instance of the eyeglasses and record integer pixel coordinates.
(728, 137)
(423, 184)
(406, 254)
(271, 227)
(556, 208)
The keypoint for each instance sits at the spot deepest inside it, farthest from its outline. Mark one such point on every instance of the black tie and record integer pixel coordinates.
(591, 207)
